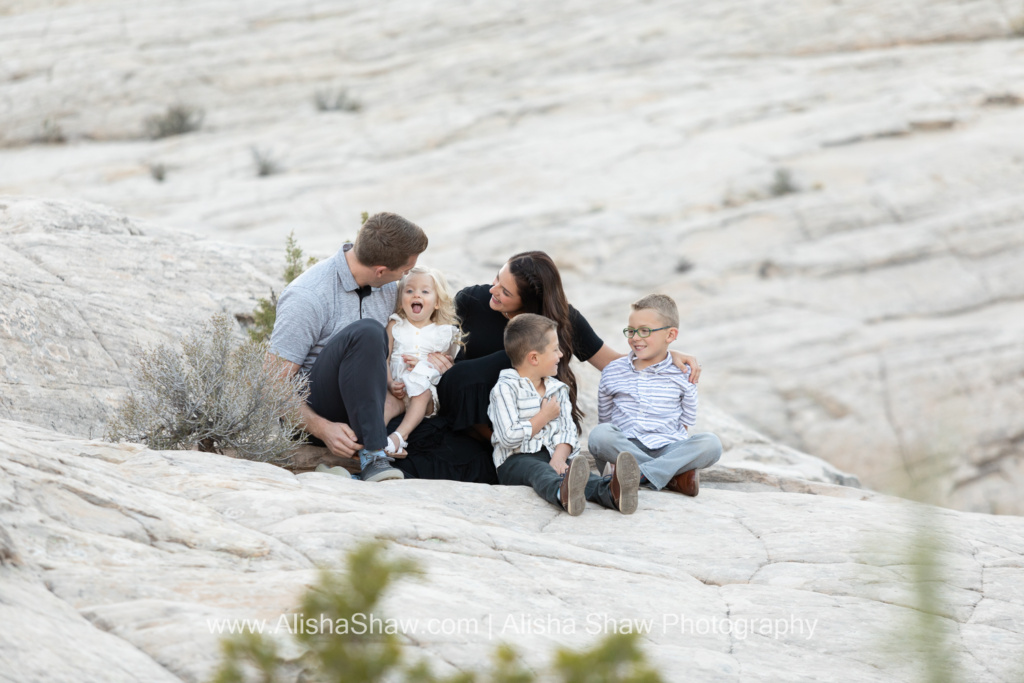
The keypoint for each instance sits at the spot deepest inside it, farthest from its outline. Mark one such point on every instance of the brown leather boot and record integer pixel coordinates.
(574, 486)
(687, 483)
(624, 483)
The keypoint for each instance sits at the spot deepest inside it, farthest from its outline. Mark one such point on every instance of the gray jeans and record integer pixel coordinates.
(659, 465)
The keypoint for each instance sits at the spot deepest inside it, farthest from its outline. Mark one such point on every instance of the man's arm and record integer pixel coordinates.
(337, 436)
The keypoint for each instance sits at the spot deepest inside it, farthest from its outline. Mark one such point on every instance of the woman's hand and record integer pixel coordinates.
(442, 361)
(681, 361)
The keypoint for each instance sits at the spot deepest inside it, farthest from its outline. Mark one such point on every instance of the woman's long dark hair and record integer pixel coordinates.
(540, 288)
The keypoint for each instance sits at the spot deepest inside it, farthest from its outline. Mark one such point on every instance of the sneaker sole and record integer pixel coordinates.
(578, 474)
(386, 475)
(627, 472)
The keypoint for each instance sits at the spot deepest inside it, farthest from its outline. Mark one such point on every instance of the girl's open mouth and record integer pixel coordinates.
(416, 308)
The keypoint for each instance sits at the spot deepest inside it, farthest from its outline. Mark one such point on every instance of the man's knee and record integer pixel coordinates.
(366, 330)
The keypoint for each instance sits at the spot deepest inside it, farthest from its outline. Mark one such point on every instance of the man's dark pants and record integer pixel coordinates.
(348, 382)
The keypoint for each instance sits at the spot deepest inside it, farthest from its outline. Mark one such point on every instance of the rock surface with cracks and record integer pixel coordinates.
(116, 562)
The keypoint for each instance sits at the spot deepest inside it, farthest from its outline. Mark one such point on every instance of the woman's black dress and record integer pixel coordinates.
(439, 448)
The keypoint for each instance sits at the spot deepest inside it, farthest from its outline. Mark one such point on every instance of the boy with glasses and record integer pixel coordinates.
(646, 405)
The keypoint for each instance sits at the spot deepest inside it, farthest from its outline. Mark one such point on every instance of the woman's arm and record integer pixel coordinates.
(681, 361)
(607, 354)
(604, 356)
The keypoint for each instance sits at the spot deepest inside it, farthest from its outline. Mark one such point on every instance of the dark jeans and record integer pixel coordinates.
(348, 382)
(532, 469)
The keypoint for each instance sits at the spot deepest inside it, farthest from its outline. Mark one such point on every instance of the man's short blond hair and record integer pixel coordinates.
(387, 239)
(525, 333)
(661, 304)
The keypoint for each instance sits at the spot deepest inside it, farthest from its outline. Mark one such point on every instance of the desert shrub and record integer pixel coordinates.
(335, 100)
(265, 162)
(177, 120)
(158, 171)
(783, 183)
(50, 133)
(212, 394)
(366, 657)
(265, 314)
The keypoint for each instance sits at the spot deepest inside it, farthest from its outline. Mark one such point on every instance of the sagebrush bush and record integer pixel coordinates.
(365, 657)
(51, 133)
(177, 120)
(335, 100)
(265, 162)
(783, 183)
(213, 394)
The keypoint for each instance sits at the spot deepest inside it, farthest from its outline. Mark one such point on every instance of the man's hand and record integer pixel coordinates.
(681, 360)
(397, 388)
(340, 439)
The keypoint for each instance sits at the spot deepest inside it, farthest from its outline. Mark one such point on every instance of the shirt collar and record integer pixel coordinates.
(551, 384)
(664, 365)
(348, 281)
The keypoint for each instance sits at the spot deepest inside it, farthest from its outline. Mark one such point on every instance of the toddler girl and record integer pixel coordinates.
(424, 322)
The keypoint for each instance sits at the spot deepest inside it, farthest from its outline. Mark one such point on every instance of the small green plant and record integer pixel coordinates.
(335, 100)
(924, 640)
(783, 183)
(369, 657)
(50, 133)
(158, 171)
(213, 395)
(265, 314)
(265, 162)
(177, 120)
(684, 265)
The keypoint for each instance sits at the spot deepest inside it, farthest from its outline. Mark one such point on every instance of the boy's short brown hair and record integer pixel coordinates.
(661, 304)
(524, 333)
(387, 239)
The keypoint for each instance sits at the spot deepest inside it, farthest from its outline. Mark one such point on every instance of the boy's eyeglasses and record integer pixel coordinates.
(642, 332)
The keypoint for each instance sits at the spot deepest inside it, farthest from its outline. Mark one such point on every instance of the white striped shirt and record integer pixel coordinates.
(654, 405)
(514, 400)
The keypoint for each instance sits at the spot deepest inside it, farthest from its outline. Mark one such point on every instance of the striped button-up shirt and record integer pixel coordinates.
(654, 405)
(514, 400)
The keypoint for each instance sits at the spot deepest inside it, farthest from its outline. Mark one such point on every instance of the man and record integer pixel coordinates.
(330, 326)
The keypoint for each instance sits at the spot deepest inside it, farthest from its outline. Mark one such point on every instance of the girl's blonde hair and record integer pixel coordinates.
(444, 314)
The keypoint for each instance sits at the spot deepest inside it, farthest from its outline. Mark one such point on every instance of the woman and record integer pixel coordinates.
(456, 444)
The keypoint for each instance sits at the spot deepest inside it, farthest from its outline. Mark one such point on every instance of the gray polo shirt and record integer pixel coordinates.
(319, 303)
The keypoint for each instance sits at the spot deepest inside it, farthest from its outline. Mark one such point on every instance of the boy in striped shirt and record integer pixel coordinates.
(646, 405)
(536, 442)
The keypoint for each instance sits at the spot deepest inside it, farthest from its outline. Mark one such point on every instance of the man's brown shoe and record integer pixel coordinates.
(574, 486)
(625, 482)
(687, 483)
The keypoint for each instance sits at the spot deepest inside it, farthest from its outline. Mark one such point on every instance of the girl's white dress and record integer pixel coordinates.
(419, 341)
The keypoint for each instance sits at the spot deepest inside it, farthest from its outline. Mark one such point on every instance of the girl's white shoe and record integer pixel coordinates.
(396, 444)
